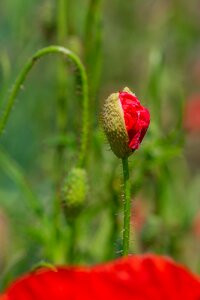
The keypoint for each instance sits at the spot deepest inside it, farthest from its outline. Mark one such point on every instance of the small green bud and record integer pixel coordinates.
(74, 192)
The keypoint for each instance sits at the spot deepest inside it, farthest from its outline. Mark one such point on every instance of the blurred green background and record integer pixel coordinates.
(153, 48)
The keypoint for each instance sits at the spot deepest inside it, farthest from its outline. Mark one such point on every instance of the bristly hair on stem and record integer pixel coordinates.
(127, 207)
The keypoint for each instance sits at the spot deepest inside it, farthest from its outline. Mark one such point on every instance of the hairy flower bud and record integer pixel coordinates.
(125, 122)
(74, 192)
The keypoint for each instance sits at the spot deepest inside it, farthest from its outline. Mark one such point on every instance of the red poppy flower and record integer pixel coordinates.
(125, 122)
(146, 277)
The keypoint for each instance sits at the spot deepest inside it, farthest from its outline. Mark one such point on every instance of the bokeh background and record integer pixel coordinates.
(153, 47)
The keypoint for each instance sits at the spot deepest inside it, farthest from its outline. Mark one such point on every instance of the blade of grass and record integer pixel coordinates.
(62, 32)
(13, 170)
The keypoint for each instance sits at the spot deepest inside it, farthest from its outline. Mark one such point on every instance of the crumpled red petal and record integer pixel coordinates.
(136, 117)
(143, 277)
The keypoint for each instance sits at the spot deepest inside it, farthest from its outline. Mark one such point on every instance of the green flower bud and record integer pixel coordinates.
(74, 192)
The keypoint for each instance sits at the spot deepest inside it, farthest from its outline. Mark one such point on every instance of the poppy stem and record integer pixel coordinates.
(127, 207)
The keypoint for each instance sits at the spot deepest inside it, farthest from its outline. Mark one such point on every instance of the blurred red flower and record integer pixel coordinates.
(146, 277)
(192, 114)
(139, 214)
(196, 226)
(136, 117)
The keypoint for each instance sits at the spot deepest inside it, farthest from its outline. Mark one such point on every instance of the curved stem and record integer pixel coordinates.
(84, 85)
(127, 207)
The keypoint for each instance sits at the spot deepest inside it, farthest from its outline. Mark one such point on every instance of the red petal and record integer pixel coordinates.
(147, 277)
(136, 117)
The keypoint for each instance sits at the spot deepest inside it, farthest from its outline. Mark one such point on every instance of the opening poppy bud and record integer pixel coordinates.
(125, 122)
(74, 192)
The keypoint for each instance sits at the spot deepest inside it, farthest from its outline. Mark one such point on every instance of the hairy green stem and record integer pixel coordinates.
(84, 86)
(127, 207)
